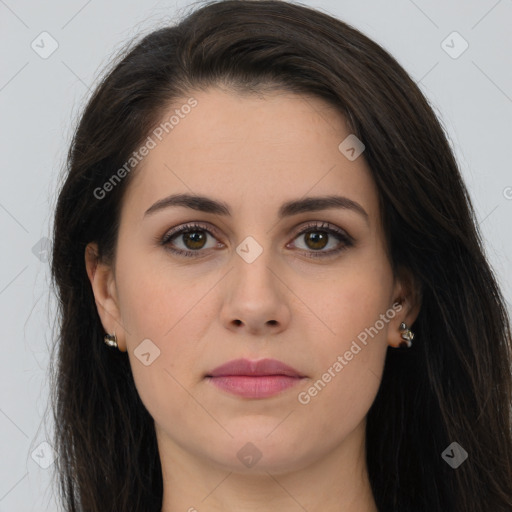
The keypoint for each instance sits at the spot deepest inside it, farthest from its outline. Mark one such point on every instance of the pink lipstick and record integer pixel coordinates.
(254, 379)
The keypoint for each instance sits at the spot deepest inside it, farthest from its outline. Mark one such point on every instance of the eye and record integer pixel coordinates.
(317, 236)
(194, 238)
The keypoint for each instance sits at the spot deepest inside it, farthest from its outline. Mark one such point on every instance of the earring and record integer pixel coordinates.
(111, 340)
(407, 336)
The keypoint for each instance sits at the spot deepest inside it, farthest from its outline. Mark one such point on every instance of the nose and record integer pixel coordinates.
(255, 297)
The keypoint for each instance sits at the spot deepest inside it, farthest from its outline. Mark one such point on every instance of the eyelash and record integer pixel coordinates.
(346, 240)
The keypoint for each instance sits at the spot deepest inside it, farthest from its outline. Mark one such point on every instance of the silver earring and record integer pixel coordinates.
(407, 336)
(111, 340)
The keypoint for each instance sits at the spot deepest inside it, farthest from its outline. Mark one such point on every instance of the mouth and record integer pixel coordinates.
(254, 379)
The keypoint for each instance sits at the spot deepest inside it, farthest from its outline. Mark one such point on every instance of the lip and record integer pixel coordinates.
(254, 379)
(258, 368)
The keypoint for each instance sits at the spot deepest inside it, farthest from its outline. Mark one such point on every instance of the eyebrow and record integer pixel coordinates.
(208, 205)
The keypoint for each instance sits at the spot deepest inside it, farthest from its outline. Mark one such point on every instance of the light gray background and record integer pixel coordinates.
(40, 99)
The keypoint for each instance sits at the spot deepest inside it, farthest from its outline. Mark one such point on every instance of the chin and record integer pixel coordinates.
(254, 452)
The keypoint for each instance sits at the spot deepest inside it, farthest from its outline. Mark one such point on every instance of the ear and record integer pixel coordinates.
(407, 293)
(103, 285)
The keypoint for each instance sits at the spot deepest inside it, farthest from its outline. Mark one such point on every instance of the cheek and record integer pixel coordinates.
(154, 296)
(348, 365)
(356, 313)
(354, 299)
(164, 314)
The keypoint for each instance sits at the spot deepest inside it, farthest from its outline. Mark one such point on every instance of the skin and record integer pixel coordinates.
(254, 153)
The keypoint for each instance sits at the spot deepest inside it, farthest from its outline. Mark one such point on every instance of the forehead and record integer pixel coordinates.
(251, 150)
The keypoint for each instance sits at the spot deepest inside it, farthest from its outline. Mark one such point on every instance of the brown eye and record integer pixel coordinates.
(194, 239)
(317, 236)
(316, 239)
(191, 238)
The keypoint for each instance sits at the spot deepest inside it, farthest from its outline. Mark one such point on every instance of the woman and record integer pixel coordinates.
(272, 288)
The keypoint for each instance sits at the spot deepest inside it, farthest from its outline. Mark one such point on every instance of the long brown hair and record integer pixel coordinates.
(453, 385)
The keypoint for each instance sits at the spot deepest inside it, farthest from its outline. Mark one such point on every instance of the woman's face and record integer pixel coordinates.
(267, 273)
